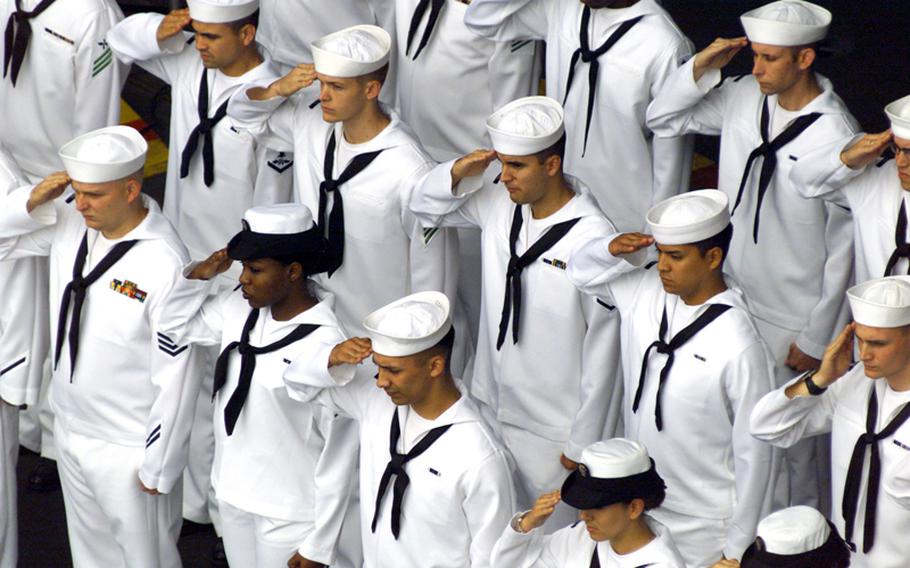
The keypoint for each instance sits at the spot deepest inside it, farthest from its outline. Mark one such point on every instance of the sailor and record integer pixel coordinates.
(20, 340)
(547, 365)
(694, 367)
(605, 61)
(273, 509)
(59, 81)
(436, 485)
(865, 409)
(121, 396)
(215, 171)
(356, 165)
(614, 488)
(853, 173)
(792, 256)
(797, 537)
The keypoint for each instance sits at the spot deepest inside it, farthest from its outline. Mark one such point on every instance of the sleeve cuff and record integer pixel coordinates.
(811, 348)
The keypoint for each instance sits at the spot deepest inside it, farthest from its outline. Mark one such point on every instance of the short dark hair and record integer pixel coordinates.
(310, 263)
(252, 20)
(444, 347)
(654, 500)
(558, 148)
(720, 240)
(377, 75)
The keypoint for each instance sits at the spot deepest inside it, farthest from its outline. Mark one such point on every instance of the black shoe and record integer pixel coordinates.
(219, 558)
(44, 478)
(191, 528)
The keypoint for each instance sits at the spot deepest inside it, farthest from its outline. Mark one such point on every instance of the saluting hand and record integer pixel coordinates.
(49, 189)
(173, 24)
(351, 352)
(298, 561)
(837, 358)
(866, 150)
(717, 55)
(538, 515)
(629, 243)
(217, 263)
(298, 78)
(474, 164)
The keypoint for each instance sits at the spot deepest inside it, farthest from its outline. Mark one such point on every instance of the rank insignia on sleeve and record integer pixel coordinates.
(428, 235)
(556, 263)
(104, 60)
(281, 163)
(129, 289)
(517, 45)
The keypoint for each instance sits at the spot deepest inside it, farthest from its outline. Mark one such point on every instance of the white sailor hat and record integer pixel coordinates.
(796, 537)
(526, 126)
(352, 52)
(280, 231)
(787, 23)
(611, 471)
(409, 325)
(689, 217)
(221, 11)
(104, 155)
(899, 114)
(881, 302)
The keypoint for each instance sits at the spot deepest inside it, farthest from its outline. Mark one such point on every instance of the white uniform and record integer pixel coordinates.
(796, 275)
(68, 85)
(631, 73)
(460, 493)
(718, 476)
(22, 333)
(305, 496)
(573, 547)
(842, 411)
(124, 414)
(387, 254)
(559, 385)
(873, 194)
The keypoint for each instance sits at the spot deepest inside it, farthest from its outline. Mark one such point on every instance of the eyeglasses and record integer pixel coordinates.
(898, 150)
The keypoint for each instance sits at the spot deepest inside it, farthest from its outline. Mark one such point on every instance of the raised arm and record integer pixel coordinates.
(156, 43)
(508, 20)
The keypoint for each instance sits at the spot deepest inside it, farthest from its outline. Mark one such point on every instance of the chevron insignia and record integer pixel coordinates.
(428, 235)
(167, 345)
(281, 163)
(104, 60)
(153, 436)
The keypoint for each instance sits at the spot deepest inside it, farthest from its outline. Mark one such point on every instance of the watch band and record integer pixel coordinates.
(813, 388)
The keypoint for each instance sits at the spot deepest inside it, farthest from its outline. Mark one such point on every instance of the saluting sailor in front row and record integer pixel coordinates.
(797, 537)
(614, 486)
(868, 421)
(435, 484)
(694, 367)
(548, 355)
(121, 395)
(282, 469)
(853, 173)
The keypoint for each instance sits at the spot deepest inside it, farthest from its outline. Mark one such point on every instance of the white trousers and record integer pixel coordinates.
(36, 423)
(260, 542)
(700, 540)
(199, 502)
(111, 522)
(539, 471)
(9, 453)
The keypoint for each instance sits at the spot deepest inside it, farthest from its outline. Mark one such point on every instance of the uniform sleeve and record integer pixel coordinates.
(512, 69)
(683, 106)
(334, 481)
(176, 382)
(207, 326)
(509, 20)
(272, 122)
(489, 499)
(671, 168)
(22, 331)
(822, 174)
(134, 40)
(596, 272)
(274, 177)
(344, 389)
(749, 378)
(24, 234)
(830, 312)
(99, 76)
(436, 204)
(782, 422)
(524, 550)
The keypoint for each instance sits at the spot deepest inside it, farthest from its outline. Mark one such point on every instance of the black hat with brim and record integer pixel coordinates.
(833, 554)
(308, 247)
(582, 491)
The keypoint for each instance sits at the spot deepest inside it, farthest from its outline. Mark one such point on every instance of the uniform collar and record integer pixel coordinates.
(641, 8)
(263, 71)
(464, 410)
(154, 226)
(323, 313)
(828, 102)
(581, 205)
(396, 133)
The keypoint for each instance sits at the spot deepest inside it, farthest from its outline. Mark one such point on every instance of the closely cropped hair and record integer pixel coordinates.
(377, 75)
(557, 149)
(444, 347)
(252, 19)
(721, 239)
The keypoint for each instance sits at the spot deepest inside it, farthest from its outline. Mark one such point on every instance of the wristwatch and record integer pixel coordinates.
(813, 388)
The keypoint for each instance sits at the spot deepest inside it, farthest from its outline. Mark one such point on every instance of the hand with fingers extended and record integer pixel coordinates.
(717, 55)
(837, 358)
(538, 515)
(173, 24)
(49, 189)
(473, 164)
(298, 78)
(351, 352)
(866, 150)
(216, 264)
(630, 243)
